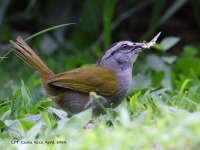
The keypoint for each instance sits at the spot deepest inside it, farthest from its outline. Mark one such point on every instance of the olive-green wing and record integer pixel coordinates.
(96, 79)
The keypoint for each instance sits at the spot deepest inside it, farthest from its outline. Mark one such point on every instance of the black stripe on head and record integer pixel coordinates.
(106, 51)
(111, 54)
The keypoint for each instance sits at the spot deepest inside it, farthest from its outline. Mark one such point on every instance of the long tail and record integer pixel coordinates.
(23, 51)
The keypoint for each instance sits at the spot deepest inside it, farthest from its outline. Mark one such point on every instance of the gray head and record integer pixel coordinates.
(120, 55)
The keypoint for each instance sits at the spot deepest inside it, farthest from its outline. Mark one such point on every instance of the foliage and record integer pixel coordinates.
(161, 111)
(156, 117)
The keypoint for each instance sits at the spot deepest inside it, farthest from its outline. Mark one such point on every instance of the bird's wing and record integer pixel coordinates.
(96, 79)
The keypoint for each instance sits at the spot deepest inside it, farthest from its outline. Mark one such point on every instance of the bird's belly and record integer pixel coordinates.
(72, 102)
(75, 102)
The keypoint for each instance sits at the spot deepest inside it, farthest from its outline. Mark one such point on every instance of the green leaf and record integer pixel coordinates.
(169, 59)
(25, 95)
(31, 81)
(4, 108)
(2, 127)
(80, 120)
(158, 47)
(134, 101)
(46, 119)
(43, 104)
(24, 126)
(60, 113)
(112, 114)
(32, 133)
(157, 78)
(169, 42)
(189, 67)
(16, 105)
(16, 94)
(185, 83)
(5, 115)
(189, 51)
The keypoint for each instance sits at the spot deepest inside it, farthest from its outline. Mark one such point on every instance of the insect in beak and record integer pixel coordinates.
(151, 43)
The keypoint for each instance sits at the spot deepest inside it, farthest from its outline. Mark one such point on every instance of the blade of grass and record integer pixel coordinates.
(95, 97)
(158, 7)
(182, 90)
(172, 10)
(175, 6)
(38, 33)
(131, 11)
(25, 95)
(109, 6)
(48, 29)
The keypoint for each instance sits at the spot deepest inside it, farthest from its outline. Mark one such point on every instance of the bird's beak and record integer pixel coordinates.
(139, 45)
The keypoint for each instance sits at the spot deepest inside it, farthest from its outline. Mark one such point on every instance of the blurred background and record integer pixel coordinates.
(99, 23)
(162, 109)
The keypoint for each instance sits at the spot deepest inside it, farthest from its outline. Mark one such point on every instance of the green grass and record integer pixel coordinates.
(162, 111)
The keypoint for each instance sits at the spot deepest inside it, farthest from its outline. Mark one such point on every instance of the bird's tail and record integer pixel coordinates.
(23, 51)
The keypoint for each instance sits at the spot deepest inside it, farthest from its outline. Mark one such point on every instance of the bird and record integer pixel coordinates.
(110, 77)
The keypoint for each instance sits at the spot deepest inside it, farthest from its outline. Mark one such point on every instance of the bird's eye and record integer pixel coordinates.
(124, 46)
